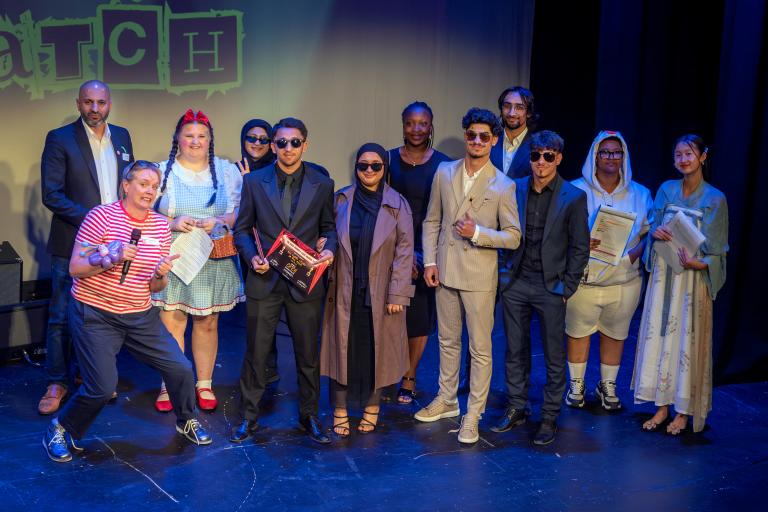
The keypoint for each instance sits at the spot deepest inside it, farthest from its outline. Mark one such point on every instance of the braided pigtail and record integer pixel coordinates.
(212, 169)
(171, 160)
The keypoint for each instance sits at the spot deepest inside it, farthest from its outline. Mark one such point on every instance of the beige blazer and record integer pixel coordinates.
(491, 201)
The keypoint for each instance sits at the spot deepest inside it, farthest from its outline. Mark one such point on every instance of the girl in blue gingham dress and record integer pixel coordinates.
(218, 287)
(198, 190)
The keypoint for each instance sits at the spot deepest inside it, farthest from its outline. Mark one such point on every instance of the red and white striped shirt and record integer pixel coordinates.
(109, 222)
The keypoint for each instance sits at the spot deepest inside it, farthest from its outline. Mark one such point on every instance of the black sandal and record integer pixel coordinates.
(343, 425)
(366, 423)
(406, 396)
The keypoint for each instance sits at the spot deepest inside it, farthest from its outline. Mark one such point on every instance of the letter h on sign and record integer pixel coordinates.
(203, 50)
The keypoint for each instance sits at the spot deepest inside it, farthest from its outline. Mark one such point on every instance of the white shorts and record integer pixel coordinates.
(608, 309)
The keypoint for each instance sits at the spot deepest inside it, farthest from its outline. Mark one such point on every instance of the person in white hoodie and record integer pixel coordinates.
(608, 295)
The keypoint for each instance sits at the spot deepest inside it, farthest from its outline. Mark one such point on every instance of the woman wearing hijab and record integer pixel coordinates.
(257, 152)
(364, 344)
(254, 146)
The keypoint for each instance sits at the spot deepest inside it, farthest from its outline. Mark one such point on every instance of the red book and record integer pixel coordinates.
(296, 261)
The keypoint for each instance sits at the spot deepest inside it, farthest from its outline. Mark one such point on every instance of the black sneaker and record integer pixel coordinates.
(55, 443)
(194, 432)
(546, 432)
(575, 395)
(606, 392)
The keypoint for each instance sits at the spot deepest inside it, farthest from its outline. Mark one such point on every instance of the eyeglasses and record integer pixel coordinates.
(549, 156)
(610, 155)
(257, 140)
(508, 107)
(362, 166)
(471, 135)
(282, 143)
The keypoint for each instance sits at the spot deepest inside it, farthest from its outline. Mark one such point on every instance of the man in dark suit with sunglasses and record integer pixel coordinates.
(539, 277)
(81, 167)
(291, 195)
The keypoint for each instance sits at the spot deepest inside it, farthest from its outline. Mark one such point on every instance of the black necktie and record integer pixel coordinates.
(287, 197)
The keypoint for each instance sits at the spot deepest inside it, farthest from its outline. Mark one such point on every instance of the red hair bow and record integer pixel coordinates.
(190, 116)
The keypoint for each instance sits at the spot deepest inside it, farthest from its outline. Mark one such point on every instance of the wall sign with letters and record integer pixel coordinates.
(126, 46)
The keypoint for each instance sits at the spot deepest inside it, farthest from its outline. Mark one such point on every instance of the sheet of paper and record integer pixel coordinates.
(194, 247)
(613, 228)
(684, 234)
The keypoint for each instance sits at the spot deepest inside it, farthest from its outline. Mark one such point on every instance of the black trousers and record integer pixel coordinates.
(98, 336)
(525, 295)
(304, 323)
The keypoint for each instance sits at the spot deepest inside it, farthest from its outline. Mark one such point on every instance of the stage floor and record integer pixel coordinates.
(600, 461)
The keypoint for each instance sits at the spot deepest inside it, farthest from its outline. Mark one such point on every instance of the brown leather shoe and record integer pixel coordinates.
(51, 401)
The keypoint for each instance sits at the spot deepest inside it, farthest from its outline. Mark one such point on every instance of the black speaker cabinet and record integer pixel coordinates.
(23, 327)
(10, 275)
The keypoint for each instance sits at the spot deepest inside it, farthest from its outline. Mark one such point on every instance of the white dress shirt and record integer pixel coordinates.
(106, 163)
(511, 147)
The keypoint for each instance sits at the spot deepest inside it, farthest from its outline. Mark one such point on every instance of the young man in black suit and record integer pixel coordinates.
(540, 276)
(285, 195)
(81, 167)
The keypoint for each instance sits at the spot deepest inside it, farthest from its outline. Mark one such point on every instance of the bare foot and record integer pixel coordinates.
(677, 425)
(657, 419)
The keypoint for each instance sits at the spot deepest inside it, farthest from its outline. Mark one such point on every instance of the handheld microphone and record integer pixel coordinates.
(135, 236)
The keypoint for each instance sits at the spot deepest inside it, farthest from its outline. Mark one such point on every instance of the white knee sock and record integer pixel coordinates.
(204, 384)
(577, 370)
(609, 372)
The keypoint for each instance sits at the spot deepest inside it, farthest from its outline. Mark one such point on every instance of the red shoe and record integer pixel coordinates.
(206, 404)
(163, 402)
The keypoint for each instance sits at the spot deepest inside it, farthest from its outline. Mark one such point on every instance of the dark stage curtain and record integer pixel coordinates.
(656, 70)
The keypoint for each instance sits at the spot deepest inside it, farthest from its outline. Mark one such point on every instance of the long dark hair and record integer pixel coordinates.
(191, 117)
(696, 143)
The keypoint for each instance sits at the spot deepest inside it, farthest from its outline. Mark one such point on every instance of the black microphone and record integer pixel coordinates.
(135, 236)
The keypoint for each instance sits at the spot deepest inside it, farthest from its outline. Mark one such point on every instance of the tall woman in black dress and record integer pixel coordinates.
(412, 167)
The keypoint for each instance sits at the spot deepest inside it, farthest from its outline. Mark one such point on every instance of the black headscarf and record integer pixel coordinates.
(366, 204)
(268, 157)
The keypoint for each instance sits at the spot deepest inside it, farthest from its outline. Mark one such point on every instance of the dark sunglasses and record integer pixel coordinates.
(549, 156)
(471, 135)
(282, 143)
(362, 166)
(257, 140)
(610, 155)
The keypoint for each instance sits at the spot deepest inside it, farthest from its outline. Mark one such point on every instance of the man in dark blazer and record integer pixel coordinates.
(285, 195)
(81, 167)
(539, 277)
(510, 153)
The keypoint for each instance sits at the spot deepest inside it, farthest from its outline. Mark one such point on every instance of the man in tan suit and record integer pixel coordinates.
(472, 212)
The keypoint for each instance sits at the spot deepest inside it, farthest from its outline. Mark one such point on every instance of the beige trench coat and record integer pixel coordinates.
(389, 274)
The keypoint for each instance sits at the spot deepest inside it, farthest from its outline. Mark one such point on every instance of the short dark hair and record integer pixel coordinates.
(416, 105)
(527, 96)
(482, 116)
(547, 139)
(290, 122)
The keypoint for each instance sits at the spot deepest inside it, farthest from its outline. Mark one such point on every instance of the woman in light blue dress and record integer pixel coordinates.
(673, 364)
(199, 190)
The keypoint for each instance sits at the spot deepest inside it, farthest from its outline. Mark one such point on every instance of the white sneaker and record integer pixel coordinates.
(575, 395)
(437, 410)
(469, 432)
